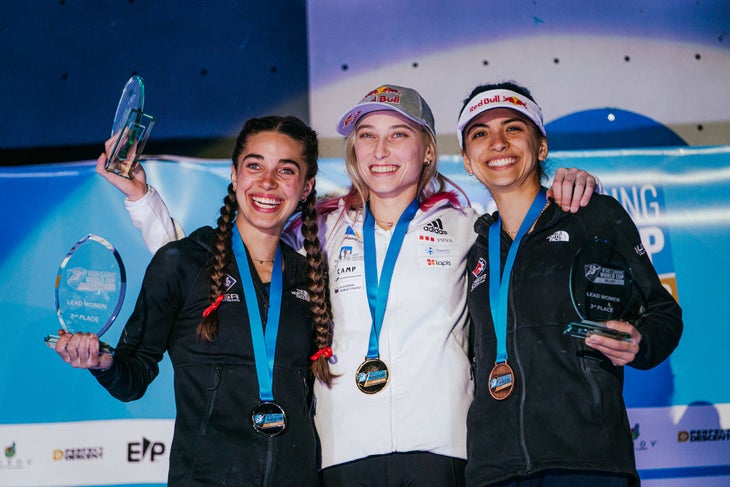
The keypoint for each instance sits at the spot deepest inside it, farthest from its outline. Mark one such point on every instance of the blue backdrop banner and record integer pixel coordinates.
(59, 427)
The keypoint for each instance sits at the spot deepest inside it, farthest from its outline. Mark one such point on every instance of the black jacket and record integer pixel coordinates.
(216, 387)
(567, 409)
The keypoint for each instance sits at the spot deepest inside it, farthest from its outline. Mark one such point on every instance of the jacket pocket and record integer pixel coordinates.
(212, 392)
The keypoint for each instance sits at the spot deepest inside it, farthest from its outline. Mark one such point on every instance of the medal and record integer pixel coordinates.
(268, 419)
(501, 381)
(372, 376)
(502, 377)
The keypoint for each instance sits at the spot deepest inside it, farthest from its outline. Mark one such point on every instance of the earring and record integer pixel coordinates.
(427, 162)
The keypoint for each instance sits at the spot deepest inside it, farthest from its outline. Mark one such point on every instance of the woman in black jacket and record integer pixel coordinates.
(236, 310)
(548, 408)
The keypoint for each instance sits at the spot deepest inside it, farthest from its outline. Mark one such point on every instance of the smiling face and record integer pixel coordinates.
(390, 151)
(504, 150)
(269, 182)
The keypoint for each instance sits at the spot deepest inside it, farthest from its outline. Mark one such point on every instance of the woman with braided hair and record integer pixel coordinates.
(242, 380)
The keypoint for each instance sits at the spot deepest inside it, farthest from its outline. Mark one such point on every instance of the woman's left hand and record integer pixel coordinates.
(572, 188)
(618, 352)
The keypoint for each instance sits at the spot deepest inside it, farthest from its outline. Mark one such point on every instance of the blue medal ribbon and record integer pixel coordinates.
(499, 285)
(264, 344)
(378, 291)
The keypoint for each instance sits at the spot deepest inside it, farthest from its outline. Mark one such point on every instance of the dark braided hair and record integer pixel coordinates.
(317, 285)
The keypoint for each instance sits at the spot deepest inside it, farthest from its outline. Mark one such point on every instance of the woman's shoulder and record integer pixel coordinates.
(198, 242)
(602, 204)
(449, 203)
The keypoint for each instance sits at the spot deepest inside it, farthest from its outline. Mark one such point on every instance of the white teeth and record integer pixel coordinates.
(501, 162)
(266, 202)
(383, 169)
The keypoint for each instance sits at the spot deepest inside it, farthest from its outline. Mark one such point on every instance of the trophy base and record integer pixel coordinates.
(104, 348)
(586, 328)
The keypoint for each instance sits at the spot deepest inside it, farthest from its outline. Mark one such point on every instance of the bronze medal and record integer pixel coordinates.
(501, 381)
(268, 419)
(372, 376)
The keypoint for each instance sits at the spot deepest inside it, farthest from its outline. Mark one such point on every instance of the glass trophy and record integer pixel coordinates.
(601, 287)
(90, 287)
(131, 129)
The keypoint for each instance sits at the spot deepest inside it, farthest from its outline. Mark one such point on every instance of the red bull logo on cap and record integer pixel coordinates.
(514, 100)
(351, 118)
(497, 99)
(484, 101)
(380, 90)
(383, 94)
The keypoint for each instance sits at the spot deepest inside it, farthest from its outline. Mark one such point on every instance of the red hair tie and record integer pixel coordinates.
(213, 306)
(325, 352)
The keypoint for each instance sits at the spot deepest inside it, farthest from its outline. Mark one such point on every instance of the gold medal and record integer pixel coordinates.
(372, 376)
(501, 381)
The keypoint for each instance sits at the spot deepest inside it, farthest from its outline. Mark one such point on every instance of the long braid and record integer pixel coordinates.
(222, 255)
(318, 291)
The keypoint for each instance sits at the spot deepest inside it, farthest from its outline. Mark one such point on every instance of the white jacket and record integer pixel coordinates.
(151, 216)
(423, 340)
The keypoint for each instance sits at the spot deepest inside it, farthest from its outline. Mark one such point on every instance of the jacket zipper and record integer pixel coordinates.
(512, 309)
(518, 364)
(269, 462)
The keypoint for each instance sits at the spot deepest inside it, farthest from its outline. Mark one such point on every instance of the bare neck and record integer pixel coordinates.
(261, 246)
(513, 206)
(388, 209)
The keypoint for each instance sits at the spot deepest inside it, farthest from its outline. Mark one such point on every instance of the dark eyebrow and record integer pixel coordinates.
(505, 122)
(259, 157)
(290, 161)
